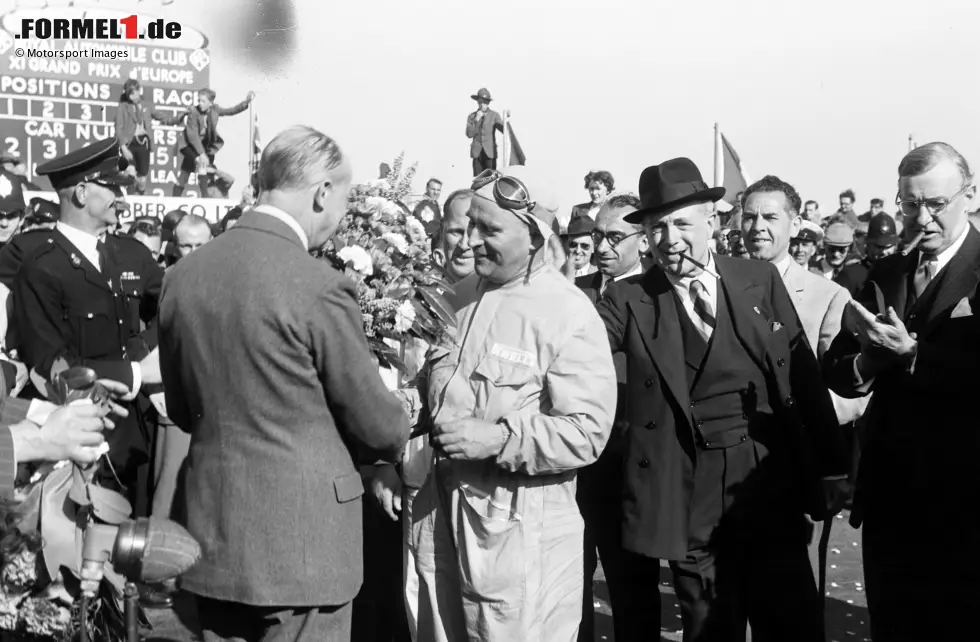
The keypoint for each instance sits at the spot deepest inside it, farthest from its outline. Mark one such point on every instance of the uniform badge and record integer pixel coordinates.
(6, 187)
(75, 260)
(129, 276)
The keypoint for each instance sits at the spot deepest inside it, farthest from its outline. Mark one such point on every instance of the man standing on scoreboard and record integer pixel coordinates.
(201, 142)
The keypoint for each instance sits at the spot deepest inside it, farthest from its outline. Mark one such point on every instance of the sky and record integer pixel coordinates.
(823, 94)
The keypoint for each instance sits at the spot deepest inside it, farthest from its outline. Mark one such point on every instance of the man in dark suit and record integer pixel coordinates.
(481, 126)
(266, 365)
(733, 437)
(619, 249)
(913, 339)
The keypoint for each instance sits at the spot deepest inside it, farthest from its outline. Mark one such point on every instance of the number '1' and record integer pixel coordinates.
(130, 23)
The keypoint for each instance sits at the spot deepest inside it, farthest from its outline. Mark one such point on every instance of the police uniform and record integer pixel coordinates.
(71, 311)
(883, 230)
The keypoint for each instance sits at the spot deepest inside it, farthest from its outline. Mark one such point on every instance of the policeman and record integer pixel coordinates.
(882, 241)
(79, 297)
(41, 213)
(12, 206)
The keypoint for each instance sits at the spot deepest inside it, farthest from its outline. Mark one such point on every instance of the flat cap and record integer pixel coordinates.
(809, 231)
(840, 234)
(97, 163)
(11, 193)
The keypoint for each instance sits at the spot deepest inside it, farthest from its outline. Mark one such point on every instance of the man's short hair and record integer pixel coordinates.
(440, 233)
(297, 158)
(208, 93)
(926, 157)
(602, 176)
(193, 220)
(877, 201)
(433, 180)
(816, 204)
(772, 183)
(624, 200)
(848, 193)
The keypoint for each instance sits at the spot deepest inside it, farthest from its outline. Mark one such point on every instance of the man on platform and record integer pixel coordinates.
(481, 128)
(912, 338)
(272, 492)
(733, 437)
(619, 250)
(524, 399)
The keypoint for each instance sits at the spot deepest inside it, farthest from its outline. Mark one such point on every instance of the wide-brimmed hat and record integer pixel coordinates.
(580, 226)
(670, 185)
(483, 94)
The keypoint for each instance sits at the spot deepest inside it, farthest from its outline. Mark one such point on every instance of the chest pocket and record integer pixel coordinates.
(505, 387)
(95, 328)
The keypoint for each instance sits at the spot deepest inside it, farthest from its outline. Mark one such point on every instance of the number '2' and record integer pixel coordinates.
(130, 23)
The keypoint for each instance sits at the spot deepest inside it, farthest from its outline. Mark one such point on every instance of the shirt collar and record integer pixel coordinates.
(944, 257)
(783, 265)
(280, 215)
(636, 269)
(684, 282)
(86, 242)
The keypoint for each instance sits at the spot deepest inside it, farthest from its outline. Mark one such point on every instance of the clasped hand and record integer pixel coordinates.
(469, 439)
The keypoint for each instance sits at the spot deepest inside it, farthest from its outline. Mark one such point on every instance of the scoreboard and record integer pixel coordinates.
(53, 105)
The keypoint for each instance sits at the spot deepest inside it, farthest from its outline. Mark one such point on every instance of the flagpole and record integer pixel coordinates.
(719, 158)
(503, 162)
(911, 143)
(251, 139)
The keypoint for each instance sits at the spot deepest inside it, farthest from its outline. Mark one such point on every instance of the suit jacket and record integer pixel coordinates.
(482, 133)
(642, 321)
(582, 209)
(922, 444)
(266, 365)
(12, 411)
(128, 117)
(820, 304)
(201, 129)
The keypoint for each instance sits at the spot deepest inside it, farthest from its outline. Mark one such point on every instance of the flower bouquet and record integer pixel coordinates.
(41, 544)
(386, 251)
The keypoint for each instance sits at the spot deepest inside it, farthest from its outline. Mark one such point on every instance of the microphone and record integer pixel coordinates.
(147, 550)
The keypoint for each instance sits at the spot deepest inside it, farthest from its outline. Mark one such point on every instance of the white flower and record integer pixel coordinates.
(404, 317)
(427, 214)
(378, 183)
(399, 242)
(358, 258)
(390, 208)
(375, 203)
(415, 229)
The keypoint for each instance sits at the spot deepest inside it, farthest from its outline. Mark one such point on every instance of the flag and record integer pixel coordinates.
(256, 140)
(733, 177)
(516, 153)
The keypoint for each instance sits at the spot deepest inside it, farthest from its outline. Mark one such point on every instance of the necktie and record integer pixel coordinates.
(924, 274)
(605, 284)
(703, 308)
(100, 246)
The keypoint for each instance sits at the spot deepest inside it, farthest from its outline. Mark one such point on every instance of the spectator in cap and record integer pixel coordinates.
(504, 501)
(803, 246)
(883, 240)
(41, 214)
(201, 141)
(481, 128)
(579, 245)
(599, 184)
(837, 241)
(12, 206)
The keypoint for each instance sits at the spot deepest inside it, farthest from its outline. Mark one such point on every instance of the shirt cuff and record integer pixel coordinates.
(860, 385)
(39, 411)
(137, 382)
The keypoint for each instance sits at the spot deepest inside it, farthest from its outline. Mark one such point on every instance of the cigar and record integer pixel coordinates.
(700, 265)
(911, 246)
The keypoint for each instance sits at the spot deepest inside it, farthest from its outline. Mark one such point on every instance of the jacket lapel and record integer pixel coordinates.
(79, 262)
(895, 290)
(796, 284)
(744, 298)
(656, 316)
(958, 280)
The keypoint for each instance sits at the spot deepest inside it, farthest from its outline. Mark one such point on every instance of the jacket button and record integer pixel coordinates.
(707, 444)
(700, 423)
(790, 401)
(780, 362)
(912, 316)
(745, 415)
(648, 383)
(743, 438)
(644, 463)
(651, 425)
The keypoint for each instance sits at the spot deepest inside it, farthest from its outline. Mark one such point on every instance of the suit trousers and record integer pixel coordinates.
(169, 452)
(600, 502)
(763, 579)
(483, 162)
(233, 622)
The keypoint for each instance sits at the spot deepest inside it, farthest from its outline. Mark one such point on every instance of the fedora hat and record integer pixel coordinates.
(483, 94)
(670, 185)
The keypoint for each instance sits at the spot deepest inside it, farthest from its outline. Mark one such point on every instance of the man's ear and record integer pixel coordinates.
(794, 226)
(321, 193)
(439, 256)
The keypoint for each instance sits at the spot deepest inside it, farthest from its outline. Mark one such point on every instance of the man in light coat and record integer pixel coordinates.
(524, 399)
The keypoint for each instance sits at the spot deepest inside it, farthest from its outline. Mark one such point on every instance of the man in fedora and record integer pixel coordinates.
(480, 127)
(579, 246)
(733, 437)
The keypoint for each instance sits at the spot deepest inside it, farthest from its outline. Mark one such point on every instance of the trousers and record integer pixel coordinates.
(233, 622)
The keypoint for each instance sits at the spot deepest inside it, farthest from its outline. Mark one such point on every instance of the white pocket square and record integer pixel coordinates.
(776, 326)
(962, 309)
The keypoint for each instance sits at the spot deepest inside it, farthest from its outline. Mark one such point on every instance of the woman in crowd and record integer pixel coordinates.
(599, 184)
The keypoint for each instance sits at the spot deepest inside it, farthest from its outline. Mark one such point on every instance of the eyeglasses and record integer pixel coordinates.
(613, 238)
(509, 192)
(935, 206)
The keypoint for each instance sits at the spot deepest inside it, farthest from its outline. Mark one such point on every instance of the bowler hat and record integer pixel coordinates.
(483, 94)
(580, 226)
(882, 229)
(672, 184)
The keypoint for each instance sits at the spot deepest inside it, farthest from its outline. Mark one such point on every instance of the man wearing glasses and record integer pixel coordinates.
(837, 243)
(79, 296)
(912, 338)
(524, 398)
(619, 251)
